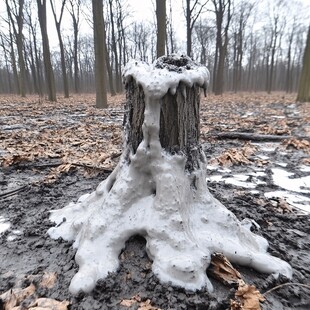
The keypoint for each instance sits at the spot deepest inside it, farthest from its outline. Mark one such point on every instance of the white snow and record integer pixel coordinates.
(298, 201)
(4, 224)
(304, 168)
(284, 179)
(266, 147)
(240, 180)
(155, 197)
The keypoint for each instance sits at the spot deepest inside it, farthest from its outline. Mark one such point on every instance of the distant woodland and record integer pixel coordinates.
(247, 45)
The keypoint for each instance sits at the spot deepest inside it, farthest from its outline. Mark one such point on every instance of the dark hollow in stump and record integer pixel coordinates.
(158, 190)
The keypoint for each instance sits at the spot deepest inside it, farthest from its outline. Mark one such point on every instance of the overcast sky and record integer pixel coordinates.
(141, 10)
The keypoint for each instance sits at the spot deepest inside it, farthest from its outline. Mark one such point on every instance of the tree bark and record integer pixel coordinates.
(161, 26)
(61, 46)
(49, 73)
(179, 121)
(100, 59)
(304, 83)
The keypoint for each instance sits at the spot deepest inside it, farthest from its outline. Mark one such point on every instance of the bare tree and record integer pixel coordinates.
(75, 11)
(277, 24)
(6, 52)
(240, 18)
(192, 12)
(222, 9)
(117, 67)
(304, 84)
(170, 33)
(15, 10)
(161, 27)
(61, 45)
(49, 73)
(100, 59)
(205, 35)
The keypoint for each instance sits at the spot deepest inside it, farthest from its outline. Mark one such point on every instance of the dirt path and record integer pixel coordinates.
(52, 154)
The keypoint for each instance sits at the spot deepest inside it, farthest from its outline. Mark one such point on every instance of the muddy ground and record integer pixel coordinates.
(26, 251)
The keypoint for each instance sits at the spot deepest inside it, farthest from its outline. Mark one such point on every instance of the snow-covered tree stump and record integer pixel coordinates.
(159, 190)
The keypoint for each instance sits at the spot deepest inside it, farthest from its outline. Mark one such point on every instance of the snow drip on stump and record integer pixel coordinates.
(151, 193)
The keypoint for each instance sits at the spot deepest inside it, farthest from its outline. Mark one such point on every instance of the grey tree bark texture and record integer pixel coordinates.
(179, 121)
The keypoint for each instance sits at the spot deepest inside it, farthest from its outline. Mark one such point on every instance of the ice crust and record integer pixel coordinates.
(154, 197)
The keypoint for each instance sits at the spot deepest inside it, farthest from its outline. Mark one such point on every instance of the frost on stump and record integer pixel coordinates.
(159, 190)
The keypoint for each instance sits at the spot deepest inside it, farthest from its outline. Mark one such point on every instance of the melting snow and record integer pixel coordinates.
(304, 168)
(247, 181)
(282, 178)
(297, 201)
(4, 225)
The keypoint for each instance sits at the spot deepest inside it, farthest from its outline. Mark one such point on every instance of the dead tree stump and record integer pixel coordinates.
(159, 190)
(179, 114)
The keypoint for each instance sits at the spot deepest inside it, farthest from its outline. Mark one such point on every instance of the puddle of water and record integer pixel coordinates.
(224, 170)
(241, 180)
(277, 116)
(247, 114)
(297, 201)
(263, 157)
(304, 168)
(210, 167)
(4, 225)
(281, 164)
(281, 178)
(14, 234)
(267, 147)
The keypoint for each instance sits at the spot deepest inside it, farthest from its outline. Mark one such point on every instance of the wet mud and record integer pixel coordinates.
(26, 249)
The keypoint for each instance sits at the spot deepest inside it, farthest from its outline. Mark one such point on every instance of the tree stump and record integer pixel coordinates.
(159, 190)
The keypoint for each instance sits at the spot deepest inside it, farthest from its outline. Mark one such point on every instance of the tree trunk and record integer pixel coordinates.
(159, 190)
(161, 26)
(61, 46)
(304, 83)
(114, 49)
(49, 73)
(183, 127)
(100, 59)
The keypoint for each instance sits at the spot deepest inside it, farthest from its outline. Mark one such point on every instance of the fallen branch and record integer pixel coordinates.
(12, 192)
(255, 137)
(52, 165)
(91, 167)
(286, 284)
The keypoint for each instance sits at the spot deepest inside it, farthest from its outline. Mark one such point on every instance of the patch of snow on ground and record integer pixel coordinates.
(241, 180)
(267, 147)
(4, 225)
(297, 201)
(304, 168)
(282, 178)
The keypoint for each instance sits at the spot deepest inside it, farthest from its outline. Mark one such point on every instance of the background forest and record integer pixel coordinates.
(247, 45)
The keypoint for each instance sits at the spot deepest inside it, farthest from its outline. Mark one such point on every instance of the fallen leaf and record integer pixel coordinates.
(49, 279)
(235, 156)
(48, 303)
(142, 305)
(221, 269)
(299, 144)
(284, 206)
(14, 297)
(248, 297)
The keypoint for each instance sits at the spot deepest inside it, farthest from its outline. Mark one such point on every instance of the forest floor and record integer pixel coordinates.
(52, 153)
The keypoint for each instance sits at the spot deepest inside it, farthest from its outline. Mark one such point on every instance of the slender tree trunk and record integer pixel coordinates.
(100, 59)
(61, 46)
(161, 27)
(49, 73)
(304, 83)
(75, 57)
(114, 49)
